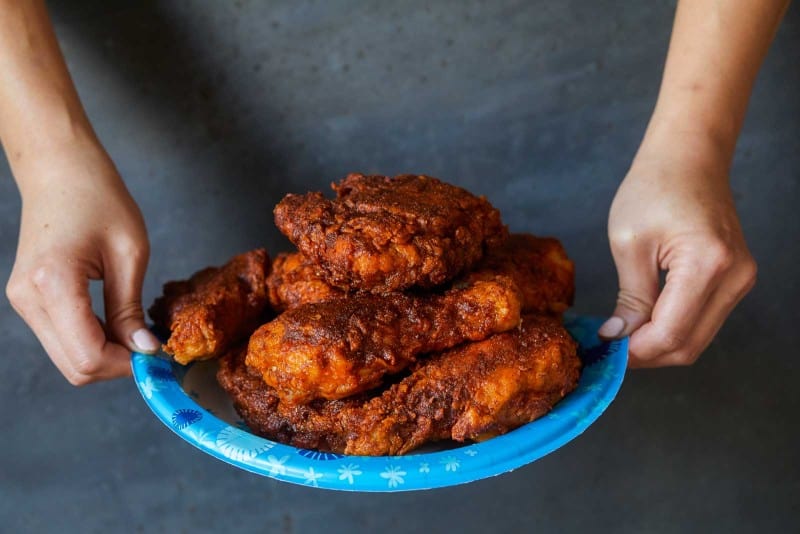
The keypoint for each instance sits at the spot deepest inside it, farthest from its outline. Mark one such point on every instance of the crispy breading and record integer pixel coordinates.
(388, 234)
(470, 392)
(294, 280)
(213, 309)
(315, 425)
(340, 347)
(539, 266)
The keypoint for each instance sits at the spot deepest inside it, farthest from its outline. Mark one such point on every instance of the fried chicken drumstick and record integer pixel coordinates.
(389, 234)
(471, 392)
(340, 347)
(214, 308)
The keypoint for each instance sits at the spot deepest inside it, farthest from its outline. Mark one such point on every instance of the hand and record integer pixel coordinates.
(79, 223)
(674, 212)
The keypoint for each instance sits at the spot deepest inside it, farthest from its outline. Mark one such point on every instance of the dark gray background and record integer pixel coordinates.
(214, 110)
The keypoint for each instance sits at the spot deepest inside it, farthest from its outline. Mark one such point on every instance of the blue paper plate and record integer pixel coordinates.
(189, 401)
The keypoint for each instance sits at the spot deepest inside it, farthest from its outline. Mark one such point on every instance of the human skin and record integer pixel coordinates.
(78, 220)
(674, 211)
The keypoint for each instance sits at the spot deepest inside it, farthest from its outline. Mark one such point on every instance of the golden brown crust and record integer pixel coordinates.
(473, 391)
(539, 266)
(294, 280)
(340, 347)
(311, 426)
(214, 308)
(470, 392)
(388, 234)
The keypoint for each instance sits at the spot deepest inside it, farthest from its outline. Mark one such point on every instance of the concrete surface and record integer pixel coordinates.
(214, 110)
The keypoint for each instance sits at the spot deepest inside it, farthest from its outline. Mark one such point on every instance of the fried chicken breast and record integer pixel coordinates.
(388, 234)
(540, 268)
(470, 392)
(340, 347)
(293, 281)
(316, 425)
(408, 315)
(213, 309)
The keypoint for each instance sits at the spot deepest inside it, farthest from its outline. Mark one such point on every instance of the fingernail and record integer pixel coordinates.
(145, 341)
(612, 328)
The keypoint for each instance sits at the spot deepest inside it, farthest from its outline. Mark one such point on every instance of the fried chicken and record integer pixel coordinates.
(407, 316)
(471, 392)
(388, 234)
(340, 347)
(316, 425)
(293, 281)
(539, 266)
(214, 308)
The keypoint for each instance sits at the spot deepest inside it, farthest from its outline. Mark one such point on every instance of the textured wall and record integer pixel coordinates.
(214, 110)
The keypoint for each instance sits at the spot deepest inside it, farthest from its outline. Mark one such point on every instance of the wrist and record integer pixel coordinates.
(695, 123)
(35, 127)
(682, 142)
(62, 162)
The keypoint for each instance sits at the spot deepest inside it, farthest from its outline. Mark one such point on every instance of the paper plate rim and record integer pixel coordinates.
(158, 381)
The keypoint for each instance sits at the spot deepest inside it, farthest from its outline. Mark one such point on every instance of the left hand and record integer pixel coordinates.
(674, 212)
(79, 223)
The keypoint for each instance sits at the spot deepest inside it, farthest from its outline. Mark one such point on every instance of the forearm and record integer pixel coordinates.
(715, 52)
(40, 111)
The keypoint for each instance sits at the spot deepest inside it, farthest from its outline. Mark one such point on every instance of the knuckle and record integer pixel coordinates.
(43, 275)
(669, 341)
(718, 258)
(16, 292)
(129, 247)
(87, 366)
(623, 239)
(77, 379)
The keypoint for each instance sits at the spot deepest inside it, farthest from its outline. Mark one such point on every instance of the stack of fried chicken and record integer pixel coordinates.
(407, 315)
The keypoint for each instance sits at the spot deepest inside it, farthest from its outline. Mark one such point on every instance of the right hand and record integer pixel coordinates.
(79, 223)
(674, 212)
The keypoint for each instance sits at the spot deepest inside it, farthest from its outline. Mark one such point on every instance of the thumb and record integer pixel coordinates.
(122, 292)
(638, 291)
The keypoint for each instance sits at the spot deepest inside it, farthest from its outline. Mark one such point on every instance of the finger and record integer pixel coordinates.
(692, 278)
(41, 325)
(122, 291)
(638, 289)
(64, 295)
(39, 322)
(721, 303)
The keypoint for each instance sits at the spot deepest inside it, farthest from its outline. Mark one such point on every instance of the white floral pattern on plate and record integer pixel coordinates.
(189, 402)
